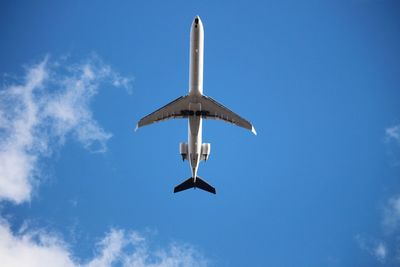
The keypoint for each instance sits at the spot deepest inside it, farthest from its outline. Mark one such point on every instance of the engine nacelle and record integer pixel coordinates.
(205, 151)
(183, 150)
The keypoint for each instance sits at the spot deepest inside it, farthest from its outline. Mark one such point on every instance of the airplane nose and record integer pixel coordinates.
(196, 22)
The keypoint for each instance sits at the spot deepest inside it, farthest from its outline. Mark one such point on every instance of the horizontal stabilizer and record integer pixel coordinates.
(192, 183)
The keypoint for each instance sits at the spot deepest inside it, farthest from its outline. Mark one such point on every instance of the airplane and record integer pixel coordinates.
(195, 107)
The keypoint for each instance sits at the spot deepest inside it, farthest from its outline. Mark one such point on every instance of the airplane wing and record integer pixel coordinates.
(211, 109)
(176, 109)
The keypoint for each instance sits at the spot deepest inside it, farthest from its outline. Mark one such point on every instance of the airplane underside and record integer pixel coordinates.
(195, 107)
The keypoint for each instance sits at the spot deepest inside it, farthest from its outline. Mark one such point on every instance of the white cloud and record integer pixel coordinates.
(393, 134)
(375, 248)
(39, 111)
(392, 139)
(385, 248)
(380, 251)
(391, 215)
(117, 248)
(34, 249)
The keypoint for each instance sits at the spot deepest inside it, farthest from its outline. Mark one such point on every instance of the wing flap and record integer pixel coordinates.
(211, 109)
(174, 110)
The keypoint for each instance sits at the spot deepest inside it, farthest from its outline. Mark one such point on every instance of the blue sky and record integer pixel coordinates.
(318, 186)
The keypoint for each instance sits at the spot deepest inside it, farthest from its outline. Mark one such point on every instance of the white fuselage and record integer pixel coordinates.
(195, 93)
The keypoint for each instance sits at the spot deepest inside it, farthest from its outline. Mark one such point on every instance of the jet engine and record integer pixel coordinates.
(205, 151)
(183, 150)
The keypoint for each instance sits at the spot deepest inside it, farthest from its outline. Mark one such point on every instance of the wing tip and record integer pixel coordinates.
(253, 130)
(137, 127)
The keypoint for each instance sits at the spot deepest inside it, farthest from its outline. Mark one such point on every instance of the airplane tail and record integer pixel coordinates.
(192, 183)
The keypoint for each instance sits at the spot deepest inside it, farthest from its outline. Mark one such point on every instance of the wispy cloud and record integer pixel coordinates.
(393, 134)
(39, 110)
(392, 139)
(385, 248)
(391, 215)
(380, 251)
(375, 248)
(117, 248)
